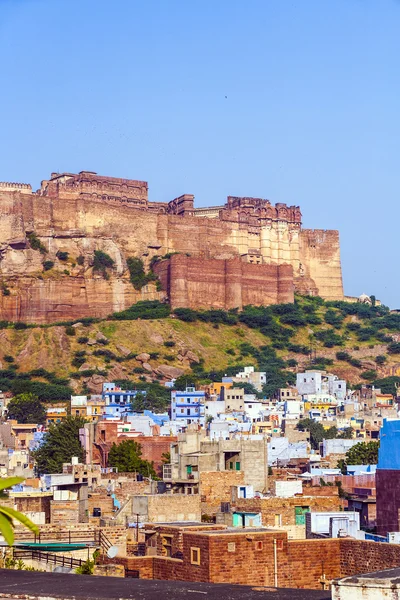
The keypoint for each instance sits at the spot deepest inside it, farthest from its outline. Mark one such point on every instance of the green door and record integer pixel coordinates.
(238, 466)
(300, 514)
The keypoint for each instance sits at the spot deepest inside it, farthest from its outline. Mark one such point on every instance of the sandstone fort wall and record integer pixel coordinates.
(247, 252)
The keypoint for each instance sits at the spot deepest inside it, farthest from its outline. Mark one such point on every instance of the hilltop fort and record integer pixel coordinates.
(246, 251)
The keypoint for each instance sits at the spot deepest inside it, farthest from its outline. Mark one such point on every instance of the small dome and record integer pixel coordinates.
(365, 299)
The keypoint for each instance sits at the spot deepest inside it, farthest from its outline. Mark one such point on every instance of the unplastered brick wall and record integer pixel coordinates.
(282, 511)
(101, 500)
(248, 558)
(215, 487)
(66, 512)
(174, 507)
(358, 556)
(311, 561)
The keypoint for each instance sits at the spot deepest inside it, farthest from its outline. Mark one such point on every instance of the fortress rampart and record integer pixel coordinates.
(246, 251)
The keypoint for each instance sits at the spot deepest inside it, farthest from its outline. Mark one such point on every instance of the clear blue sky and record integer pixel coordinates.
(295, 101)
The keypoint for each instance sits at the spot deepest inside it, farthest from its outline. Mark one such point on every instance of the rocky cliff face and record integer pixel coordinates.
(78, 214)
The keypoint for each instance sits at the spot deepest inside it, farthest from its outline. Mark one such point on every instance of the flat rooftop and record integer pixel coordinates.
(26, 585)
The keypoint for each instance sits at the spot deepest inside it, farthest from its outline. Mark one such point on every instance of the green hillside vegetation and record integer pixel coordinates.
(52, 361)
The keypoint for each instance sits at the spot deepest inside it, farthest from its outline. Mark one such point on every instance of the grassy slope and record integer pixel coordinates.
(53, 350)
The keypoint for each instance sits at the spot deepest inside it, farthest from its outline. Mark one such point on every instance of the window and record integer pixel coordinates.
(167, 545)
(182, 410)
(195, 556)
(278, 520)
(259, 545)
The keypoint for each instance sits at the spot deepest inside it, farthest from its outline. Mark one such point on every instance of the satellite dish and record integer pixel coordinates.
(112, 552)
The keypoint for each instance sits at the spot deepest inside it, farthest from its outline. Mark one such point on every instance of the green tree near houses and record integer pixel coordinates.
(364, 453)
(60, 444)
(127, 458)
(26, 408)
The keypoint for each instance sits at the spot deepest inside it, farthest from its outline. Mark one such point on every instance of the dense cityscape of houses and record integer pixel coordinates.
(230, 467)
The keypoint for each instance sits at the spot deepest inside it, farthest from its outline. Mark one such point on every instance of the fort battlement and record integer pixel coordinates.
(10, 186)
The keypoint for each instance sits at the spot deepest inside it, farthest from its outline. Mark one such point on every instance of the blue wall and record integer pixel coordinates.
(389, 451)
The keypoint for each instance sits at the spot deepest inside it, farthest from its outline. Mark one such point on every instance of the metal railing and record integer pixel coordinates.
(68, 537)
(55, 559)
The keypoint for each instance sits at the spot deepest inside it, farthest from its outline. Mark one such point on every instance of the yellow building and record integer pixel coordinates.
(214, 389)
(95, 408)
(56, 414)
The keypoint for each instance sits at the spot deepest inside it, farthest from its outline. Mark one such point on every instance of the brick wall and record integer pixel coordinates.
(174, 507)
(285, 507)
(153, 447)
(357, 556)
(309, 560)
(215, 487)
(65, 512)
(34, 504)
(247, 558)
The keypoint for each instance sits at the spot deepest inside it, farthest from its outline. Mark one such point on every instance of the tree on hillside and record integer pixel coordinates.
(127, 458)
(364, 453)
(26, 408)
(60, 443)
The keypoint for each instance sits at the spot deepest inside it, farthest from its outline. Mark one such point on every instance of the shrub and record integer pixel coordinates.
(381, 359)
(355, 363)
(80, 260)
(20, 325)
(343, 356)
(186, 314)
(394, 348)
(8, 358)
(334, 318)
(169, 344)
(369, 375)
(153, 355)
(62, 255)
(83, 339)
(70, 330)
(36, 244)
(146, 309)
(66, 272)
(78, 361)
(291, 362)
(101, 262)
(48, 264)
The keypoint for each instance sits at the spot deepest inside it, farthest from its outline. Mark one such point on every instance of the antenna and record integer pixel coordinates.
(112, 552)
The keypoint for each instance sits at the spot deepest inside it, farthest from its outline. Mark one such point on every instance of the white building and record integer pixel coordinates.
(317, 382)
(256, 378)
(188, 407)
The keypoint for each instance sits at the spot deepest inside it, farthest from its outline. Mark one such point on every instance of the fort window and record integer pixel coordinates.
(195, 556)
(259, 545)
